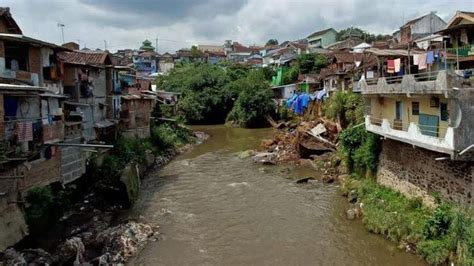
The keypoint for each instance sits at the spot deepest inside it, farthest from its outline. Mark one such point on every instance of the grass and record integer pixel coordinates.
(443, 234)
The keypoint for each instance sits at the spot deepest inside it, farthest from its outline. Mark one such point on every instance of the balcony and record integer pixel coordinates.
(435, 139)
(428, 82)
(462, 51)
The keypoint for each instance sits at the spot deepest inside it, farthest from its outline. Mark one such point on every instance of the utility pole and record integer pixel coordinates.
(105, 45)
(62, 30)
(156, 45)
(79, 43)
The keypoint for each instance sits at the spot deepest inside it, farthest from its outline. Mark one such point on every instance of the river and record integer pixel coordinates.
(214, 208)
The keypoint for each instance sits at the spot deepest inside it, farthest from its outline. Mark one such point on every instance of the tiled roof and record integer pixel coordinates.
(90, 58)
(321, 32)
(347, 57)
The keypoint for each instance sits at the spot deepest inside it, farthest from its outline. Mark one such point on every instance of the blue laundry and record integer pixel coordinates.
(430, 57)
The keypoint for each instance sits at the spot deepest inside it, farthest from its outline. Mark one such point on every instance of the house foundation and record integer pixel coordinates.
(415, 172)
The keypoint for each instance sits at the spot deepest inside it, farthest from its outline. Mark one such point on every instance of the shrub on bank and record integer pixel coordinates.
(360, 150)
(443, 234)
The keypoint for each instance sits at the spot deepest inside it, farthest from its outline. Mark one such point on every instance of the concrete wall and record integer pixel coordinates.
(73, 163)
(416, 173)
(384, 107)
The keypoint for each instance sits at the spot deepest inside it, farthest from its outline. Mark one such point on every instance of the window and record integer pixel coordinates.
(16, 56)
(443, 107)
(415, 108)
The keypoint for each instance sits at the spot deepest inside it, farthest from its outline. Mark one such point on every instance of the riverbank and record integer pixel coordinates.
(439, 233)
(90, 229)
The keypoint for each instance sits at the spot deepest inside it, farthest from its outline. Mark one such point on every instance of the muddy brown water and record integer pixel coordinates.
(214, 208)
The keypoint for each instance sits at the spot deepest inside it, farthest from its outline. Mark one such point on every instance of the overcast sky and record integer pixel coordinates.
(181, 23)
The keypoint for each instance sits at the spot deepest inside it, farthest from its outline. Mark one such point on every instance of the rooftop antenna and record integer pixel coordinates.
(62, 30)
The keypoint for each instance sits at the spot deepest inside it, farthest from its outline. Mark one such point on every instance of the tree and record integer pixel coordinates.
(210, 92)
(311, 63)
(254, 101)
(272, 42)
(362, 34)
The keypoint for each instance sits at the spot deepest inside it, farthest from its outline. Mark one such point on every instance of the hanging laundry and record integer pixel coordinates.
(430, 57)
(24, 131)
(390, 66)
(422, 61)
(305, 100)
(416, 59)
(464, 38)
(397, 65)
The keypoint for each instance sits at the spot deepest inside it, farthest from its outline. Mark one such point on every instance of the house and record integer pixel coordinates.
(299, 47)
(238, 53)
(31, 122)
(137, 107)
(420, 27)
(426, 120)
(460, 46)
(26, 60)
(322, 38)
(166, 62)
(215, 57)
(7, 23)
(145, 60)
(339, 74)
(345, 45)
(88, 82)
(186, 55)
(210, 48)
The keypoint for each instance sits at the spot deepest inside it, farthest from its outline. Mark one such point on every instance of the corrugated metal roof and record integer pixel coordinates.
(392, 52)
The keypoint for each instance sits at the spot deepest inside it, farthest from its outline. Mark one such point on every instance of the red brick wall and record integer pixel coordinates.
(35, 60)
(52, 132)
(42, 172)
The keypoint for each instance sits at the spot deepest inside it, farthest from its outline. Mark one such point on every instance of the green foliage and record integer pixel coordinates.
(390, 213)
(44, 205)
(254, 100)
(311, 63)
(364, 35)
(439, 222)
(40, 200)
(345, 107)
(445, 233)
(290, 75)
(166, 136)
(366, 156)
(272, 42)
(209, 92)
(360, 149)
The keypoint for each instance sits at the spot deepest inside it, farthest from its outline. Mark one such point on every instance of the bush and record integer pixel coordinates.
(253, 103)
(345, 107)
(445, 233)
(209, 92)
(166, 136)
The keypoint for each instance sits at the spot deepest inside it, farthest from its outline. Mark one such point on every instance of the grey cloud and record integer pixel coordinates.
(125, 23)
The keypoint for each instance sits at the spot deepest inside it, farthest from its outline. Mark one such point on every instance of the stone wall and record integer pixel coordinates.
(415, 172)
(12, 224)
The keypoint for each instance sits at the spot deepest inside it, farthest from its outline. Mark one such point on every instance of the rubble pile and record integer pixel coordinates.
(303, 140)
(99, 244)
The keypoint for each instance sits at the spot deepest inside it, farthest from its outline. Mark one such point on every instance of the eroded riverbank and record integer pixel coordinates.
(214, 208)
